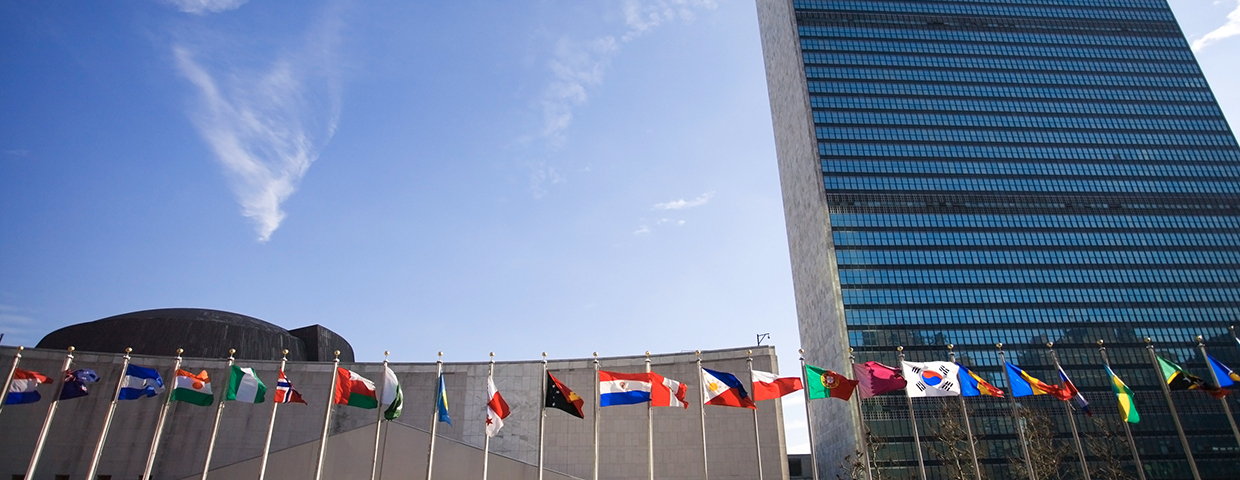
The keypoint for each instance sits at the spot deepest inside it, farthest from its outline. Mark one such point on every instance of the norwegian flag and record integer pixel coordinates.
(285, 393)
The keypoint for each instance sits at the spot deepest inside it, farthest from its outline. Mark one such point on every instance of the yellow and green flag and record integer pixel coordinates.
(1127, 408)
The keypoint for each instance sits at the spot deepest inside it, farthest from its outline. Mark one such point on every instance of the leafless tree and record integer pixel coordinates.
(952, 446)
(1046, 454)
(1110, 448)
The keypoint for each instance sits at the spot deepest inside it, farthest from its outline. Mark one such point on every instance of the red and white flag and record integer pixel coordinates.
(285, 393)
(665, 392)
(768, 386)
(497, 409)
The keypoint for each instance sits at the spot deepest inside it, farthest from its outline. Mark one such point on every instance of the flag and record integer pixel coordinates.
(1226, 377)
(1178, 379)
(665, 392)
(825, 383)
(245, 386)
(441, 401)
(559, 396)
(75, 383)
(874, 378)
(497, 409)
(767, 386)
(932, 379)
(724, 389)
(623, 388)
(1124, 394)
(190, 388)
(24, 388)
(140, 382)
(285, 393)
(392, 394)
(354, 390)
(1074, 393)
(1023, 385)
(972, 385)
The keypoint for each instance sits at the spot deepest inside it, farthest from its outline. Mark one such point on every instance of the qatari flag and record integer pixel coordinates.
(874, 378)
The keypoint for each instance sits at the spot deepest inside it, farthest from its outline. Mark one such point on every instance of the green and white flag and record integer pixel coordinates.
(244, 386)
(392, 395)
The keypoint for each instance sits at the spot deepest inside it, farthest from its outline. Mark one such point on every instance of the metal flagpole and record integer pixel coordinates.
(1017, 422)
(51, 412)
(12, 371)
(107, 419)
(921, 463)
(271, 424)
(1127, 431)
(430, 456)
(649, 428)
(542, 416)
(1214, 376)
(486, 440)
(964, 412)
(219, 413)
(756, 440)
(327, 417)
(861, 433)
(809, 419)
(596, 414)
(374, 461)
(163, 415)
(1067, 407)
(1175, 417)
(702, 414)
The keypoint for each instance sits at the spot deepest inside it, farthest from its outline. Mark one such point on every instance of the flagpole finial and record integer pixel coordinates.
(285, 351)
(1199, 339)
(128, 350)
(71, 348)
(182, 350)
(1231, 327)
(850, 350)
(647, 353)
(1050, 344)
(900, 348)
(748, 352)
(1148, 341)
(20, 348)
(699, 352)
(999, 345)
(337, 355)
(231, 352)
(802, 351)
(951, 347)
(595, 354)
(1099, 343)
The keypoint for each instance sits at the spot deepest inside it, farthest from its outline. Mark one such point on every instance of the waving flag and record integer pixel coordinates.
(665, 392)
(497, 409)
(874, 378)
(560, 397)
(1127, 408)
(24, 388)
(768, 386)
(245, 386)
(1024, 385)
(354, 390)
(724, 389)
(393, 396)
(1226, 377)
(140, 382)
(932, 379)
(825, 383)
(441, 401)
(1071, 388)
(1178, 379)
(972, 385)
(285, 393)
(75, 383)
(194, 389)
(623, 388)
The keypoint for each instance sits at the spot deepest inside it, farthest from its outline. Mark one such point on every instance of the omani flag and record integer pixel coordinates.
(244, 386)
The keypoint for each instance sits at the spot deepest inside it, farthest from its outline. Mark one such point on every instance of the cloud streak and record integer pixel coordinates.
(1228, 30)
(267, 127)
(203, 7)
(681, 204)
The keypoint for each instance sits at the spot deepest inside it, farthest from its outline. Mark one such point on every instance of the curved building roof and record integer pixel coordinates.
(200, 332)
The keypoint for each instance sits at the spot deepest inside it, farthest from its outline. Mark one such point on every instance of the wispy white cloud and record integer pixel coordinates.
(267, 127)
(18, 152)
(19, 328)
(203, 7)
(641, 16)
(642, 230)
(683, 204)
(1227, 30)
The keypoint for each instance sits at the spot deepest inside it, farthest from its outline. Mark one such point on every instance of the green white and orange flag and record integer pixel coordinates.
(1127, 408)
(354, 390)
(195, 389)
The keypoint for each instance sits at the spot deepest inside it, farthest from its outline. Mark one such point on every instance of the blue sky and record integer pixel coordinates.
(468, 176)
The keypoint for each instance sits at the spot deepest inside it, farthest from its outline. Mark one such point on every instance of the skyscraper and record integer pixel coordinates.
(974, 172)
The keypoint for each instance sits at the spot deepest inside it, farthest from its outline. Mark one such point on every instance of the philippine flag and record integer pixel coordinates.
(723, 389)
(140, 382)
(623, 388)
(24, 388)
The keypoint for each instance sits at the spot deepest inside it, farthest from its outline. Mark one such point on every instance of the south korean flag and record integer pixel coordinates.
(932, 379)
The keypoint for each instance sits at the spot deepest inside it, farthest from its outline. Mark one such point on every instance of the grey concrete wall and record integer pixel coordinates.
(815, 277)
(677, 432)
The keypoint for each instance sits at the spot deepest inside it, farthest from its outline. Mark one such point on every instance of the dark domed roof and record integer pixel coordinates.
(201, 333)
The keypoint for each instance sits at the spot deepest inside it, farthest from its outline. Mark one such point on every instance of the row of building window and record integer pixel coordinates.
(867, 296)
(1019, 64)
(850, 278)
(1074, 3)
(1017, 316)
(1010, 107)
(946, 258)
(893, 133)
(869, 149)
(973, 184)
(834, 166)
(1033, 239)
(944, 8)
(997, 50)
(941, 220)
(989, 36)
(973, 76)
(1010, 92)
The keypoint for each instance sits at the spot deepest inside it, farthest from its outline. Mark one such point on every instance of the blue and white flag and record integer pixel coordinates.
(140, 382)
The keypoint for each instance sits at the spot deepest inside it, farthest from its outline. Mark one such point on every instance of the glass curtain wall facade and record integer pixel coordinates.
(1022, 172)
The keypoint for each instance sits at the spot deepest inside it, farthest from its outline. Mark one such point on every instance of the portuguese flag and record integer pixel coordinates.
(822, 383)
(354, 390)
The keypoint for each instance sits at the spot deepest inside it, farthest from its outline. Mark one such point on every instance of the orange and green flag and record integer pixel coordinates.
(1127, 408)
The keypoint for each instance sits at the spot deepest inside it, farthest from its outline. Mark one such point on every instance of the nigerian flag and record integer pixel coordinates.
(244, 386)
(1127, 408)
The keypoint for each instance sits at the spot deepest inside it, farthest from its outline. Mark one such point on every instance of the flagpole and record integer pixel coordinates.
(486, 441)
(1067, 407)
(1214, 376)
(861, 433)
(702, 414)
(219, 413)
(1188, 453)
(51, 412)
(327, 417)
(12, 371)
(271, 424)
(542, 416)
(430, 455)
(374, 462)
(964, 412)
(596, 414)
(107, 419)
(756, 439)
(809, 420)
(1017, 423)
(921, 463)
(649, 427)
(1127, 431)
(163, 415)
